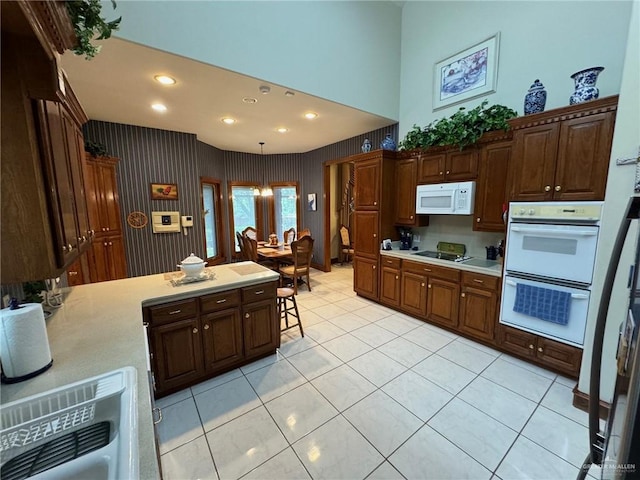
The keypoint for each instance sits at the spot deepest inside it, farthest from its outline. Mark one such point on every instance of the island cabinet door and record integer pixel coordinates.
(222, 339)
(178, 358)
(443, 301)
(413, 294)
(260, 328)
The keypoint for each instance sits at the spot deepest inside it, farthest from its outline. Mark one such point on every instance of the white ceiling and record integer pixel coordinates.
(118, 86)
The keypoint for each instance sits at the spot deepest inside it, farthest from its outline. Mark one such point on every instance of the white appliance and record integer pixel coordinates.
(445, 198)
(549, 262)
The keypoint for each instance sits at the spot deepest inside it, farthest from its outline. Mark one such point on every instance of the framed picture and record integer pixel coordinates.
(164, 191)
(467, 74)
(311, 202)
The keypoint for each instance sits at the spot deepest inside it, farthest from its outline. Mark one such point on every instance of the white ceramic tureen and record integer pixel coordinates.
(192, 266)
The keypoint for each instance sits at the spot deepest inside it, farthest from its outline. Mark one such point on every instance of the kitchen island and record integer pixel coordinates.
(100, 328)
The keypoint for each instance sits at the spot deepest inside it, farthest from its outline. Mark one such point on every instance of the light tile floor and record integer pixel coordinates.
(371, 393)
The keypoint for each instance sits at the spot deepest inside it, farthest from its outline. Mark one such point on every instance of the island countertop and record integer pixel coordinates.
(99, 328)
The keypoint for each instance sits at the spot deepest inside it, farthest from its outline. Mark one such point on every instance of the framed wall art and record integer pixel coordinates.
(164, 191)
(311, 202)
(468, 74)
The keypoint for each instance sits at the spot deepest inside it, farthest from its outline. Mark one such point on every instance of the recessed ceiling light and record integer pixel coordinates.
(264, 89)
(158, 107)
(165, 79)
(250, 100)
(289, 93)
(283, 130)
(229, 120)
(310, 115)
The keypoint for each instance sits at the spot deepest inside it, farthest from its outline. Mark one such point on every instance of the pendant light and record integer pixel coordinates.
(266, 190)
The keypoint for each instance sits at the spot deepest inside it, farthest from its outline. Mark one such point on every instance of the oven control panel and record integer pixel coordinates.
(570, 212)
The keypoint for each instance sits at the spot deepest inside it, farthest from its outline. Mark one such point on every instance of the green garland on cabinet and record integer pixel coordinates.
(87, 22)
(463, 128)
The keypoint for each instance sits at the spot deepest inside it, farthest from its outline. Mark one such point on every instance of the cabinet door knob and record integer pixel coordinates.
(540, 349)
(411, 217)
(206, 326)
(531, 346)
(447, 172)
(375, 203)
(463, 295)
(373, 266)
(441, 173)
(478, 220)
(429, 285)
(195, 330)
(70, 247)
(247, 315)
(375, 235)
(105, 244)
(547, 188)
(558, 188)
(110, 243)
(107, 229)
(64, 248)
(397, 277)
(422, 284)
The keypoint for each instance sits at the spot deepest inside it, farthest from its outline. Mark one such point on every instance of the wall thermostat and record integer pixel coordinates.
(165, 222)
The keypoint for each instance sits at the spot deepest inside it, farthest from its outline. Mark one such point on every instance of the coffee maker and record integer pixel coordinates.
(406, 238)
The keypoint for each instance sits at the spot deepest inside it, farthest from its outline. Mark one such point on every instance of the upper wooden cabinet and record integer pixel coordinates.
(368, 178)
(452, 165)
(563, 154)
(102, 194)
(492, 187)
(405, 193)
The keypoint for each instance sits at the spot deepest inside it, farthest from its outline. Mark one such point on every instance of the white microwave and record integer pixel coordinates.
(445, 198)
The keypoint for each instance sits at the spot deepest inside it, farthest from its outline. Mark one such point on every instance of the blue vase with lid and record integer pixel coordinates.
(535, 99)
(388, 143)
(366, 146)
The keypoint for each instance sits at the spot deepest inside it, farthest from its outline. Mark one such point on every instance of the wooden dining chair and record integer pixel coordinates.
(251, 249)
(289, 236)
(346, 247)
(301, 251)
(250, 232)
(305, 232)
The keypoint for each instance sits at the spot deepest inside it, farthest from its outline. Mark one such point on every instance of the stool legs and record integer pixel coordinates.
(284, 311)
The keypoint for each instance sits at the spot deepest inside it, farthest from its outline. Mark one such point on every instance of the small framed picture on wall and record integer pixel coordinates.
(311, 202)
(164, 191)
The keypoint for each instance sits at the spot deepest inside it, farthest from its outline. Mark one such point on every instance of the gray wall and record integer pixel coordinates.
(151, 155)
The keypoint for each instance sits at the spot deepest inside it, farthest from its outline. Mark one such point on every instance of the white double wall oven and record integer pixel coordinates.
(549, 264)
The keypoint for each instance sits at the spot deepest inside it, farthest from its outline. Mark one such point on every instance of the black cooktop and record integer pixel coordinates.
(442, 256)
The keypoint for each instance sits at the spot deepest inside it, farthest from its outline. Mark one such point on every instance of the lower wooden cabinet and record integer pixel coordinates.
(108, 255)
(546, 352)
(479, 305)
(195, 339)
(390, 281)
(365, 277)
(443, 299)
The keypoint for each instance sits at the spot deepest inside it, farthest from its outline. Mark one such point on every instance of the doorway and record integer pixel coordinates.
(338, 206)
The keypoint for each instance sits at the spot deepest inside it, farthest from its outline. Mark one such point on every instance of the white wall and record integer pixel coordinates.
(620, 181)
(538, 40)
(345, 51)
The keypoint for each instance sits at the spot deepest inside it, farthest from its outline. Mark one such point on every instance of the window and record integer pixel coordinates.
(284, 207)
(212, 219)
(244, 210)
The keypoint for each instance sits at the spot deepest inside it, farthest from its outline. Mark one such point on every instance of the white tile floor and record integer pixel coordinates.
(371, 393)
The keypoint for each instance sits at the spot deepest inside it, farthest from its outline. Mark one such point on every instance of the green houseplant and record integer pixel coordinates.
(463, 128)
(87, 23)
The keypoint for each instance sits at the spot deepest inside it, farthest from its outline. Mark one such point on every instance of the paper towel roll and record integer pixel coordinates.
(24, 345)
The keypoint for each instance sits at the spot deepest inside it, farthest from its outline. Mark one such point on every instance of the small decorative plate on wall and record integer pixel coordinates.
(137, 220)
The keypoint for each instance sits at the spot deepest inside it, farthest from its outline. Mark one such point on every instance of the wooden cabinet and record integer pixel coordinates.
(442, 301)
(430, 292)
(451, 165)
(479, 305)
(365, 277)
(413, 293)
(373, 216)
(390, 281)
(108, 257)
(406, 174)
(197, 338)
(549, 353)
(563, 154)
(492, 189)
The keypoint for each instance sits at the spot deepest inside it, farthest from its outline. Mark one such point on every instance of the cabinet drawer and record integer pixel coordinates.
(256, 293)
(480, 281)
(431, 270)
(170, 312)
(390, 262)
(219, 301)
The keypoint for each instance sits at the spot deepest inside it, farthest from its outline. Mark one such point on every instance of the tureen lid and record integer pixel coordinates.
(191, 259)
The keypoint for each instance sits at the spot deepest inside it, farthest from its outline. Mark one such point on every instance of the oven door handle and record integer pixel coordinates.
(564, 233)
(577, 296)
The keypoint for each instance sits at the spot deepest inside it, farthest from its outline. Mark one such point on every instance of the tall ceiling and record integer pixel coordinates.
(118, 86)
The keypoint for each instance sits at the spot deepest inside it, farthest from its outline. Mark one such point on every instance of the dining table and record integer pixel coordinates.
(277, 253)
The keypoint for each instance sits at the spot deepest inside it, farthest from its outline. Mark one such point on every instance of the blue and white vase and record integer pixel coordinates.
(535, 99)
(585, 81)
(366, 146)
(388, 143)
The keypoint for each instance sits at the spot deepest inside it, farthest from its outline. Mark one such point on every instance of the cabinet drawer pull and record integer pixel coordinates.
(195, 330)
(221, 301)
(206, 326)
(427, 269)
(477, 280)
(157, 410)
(531, 346)
(174, 312)
(259, 292)
(540, 349)
(547, 188)
(389, 261)
(75, 273)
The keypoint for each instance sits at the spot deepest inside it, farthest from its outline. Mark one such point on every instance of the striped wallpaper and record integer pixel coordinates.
(151, 155)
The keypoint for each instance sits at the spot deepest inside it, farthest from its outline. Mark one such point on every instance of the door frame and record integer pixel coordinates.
(326, 174)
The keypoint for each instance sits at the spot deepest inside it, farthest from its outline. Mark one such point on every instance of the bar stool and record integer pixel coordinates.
(286, 295)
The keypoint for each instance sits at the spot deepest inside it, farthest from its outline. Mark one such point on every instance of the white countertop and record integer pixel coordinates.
(99, 329)
(495, 270)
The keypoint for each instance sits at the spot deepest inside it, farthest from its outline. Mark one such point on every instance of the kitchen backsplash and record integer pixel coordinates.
(456, 229)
